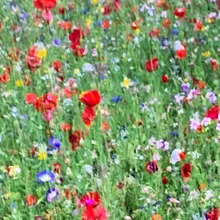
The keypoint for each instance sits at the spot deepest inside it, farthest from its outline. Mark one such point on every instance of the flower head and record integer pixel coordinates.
(45, 176)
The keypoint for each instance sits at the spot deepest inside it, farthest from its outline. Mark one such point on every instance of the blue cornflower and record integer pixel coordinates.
(45, 176)
(54, 142)
(52, 194)
(116, 99)
(174, 32)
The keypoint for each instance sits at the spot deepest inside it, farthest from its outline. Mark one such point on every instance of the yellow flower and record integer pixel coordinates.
(76, 71)
(206, 54)
(126, 83)
(6, 18)
(42, 53)
(210, 20)
(42, 155)
(19, 83)
(137, 31)
(95, 2)
(88, 21)
(203, 28)
(82, 94)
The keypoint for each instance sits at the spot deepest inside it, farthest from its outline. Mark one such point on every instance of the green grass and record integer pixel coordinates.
(120, 156)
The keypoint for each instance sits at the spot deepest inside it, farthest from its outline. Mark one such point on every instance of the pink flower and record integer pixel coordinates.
(47, 15)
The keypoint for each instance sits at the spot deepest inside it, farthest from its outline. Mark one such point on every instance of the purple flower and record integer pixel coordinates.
(185, 87)
(54, 142)
(211, 96)
(52, 194)
(56, 42)
(45, 176)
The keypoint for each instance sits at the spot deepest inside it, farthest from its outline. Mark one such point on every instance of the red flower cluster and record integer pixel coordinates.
(90, 99)
(212, 215)
(75, 38)
(32, 60)
(45, 4)
(75, 138)
(152, 65)
(4, 77)
(93, 210)
(108, 8)
(213, 112)
(45, 104)
(180, 12)
(186, 170)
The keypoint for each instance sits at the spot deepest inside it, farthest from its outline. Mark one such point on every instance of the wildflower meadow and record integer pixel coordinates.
(109, 110)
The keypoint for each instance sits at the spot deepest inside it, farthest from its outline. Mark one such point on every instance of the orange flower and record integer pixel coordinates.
(156, 217)
(30, 200)
(105, 126)
(65, 126)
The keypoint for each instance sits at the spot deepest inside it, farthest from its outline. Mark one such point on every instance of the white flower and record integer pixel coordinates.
(193, 195)
(209, 194)
(88, 169)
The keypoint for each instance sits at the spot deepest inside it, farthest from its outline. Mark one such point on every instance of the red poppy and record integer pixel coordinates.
(47, 102)
(166, 23)
(65, 25)
(79, 51)
(212, 215)
(152, 65)
(164, 79)
(30, 200)
(180, 12)
(182, 155)
(61, 10)
(90, 199)
(75, 138)
(4, 78)
(98, 213)
(213, 112)
(214, 64)
(154, 33)
(44, 4)
(134, 25)
(107, 10)
(105, 24)
(198, 83)
(181, 53)
(75, 38)
(88, 115)
(91, 98)
(65, 126)
(218, 4)
(164, 180)
(198, 25)
(186, 170)
(57, 66)
(30, 98)
(32, 60)
(151, 167)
